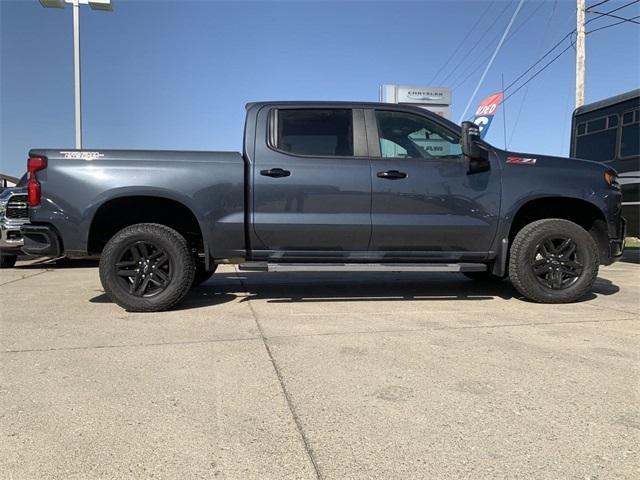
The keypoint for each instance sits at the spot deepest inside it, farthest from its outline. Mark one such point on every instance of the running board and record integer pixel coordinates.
(362, 267)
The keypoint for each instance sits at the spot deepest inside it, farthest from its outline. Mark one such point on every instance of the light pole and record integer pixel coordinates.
(104, 5)
(580, 52)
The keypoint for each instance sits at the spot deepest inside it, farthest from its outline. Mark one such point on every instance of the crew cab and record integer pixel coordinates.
(328, 186)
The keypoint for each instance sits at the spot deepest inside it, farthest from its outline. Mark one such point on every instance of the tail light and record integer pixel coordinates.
(34, 194)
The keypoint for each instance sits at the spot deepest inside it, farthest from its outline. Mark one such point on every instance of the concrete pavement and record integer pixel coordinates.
(328, 375)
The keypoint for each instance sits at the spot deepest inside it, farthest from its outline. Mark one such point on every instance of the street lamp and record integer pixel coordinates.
(104, 5)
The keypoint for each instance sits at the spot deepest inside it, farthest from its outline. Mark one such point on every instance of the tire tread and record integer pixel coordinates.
(518, 262)
(137, 304)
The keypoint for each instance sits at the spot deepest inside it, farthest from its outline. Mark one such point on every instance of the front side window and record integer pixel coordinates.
(315, 132)
(406, 135)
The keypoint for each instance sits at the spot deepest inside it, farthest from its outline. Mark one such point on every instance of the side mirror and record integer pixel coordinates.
(476, 154)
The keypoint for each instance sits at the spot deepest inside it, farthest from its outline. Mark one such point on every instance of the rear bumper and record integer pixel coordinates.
(41, 241)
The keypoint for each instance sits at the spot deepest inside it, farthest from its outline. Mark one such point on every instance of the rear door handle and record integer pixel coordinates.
(275, 173)
(392, 175)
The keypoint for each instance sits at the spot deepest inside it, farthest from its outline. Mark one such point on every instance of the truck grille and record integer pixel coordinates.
(17, 208)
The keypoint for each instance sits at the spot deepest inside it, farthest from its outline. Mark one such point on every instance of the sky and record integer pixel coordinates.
(177, 74)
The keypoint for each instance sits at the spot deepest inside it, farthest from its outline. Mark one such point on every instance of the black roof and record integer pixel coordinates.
(607, 102)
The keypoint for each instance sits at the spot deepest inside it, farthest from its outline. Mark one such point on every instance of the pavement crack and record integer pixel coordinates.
(24, 277)
(133, 345)
(305, 441)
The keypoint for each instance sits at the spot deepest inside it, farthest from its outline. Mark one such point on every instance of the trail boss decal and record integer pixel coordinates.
(521, 161)
(88, 156)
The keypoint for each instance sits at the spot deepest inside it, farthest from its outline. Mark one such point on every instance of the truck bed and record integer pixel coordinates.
(77, 183)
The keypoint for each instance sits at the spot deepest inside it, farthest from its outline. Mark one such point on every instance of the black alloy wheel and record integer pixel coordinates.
(553, 260)
(556, 263)
(147, 267)
(144, 268)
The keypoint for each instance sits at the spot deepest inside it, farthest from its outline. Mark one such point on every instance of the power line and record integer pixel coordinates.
(462, 42)
(477, 42)
(542, 58)
(596, 5)
(526, 92)
(467, 74)
(561, 53)
(493, 57)
(613, 24)
(611, 11)
(616, 16)
(547, 65)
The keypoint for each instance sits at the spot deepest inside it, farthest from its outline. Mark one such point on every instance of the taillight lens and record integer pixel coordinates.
(35, 164)
(34, 194)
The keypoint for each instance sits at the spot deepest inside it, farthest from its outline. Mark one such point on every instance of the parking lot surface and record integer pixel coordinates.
(309, 375)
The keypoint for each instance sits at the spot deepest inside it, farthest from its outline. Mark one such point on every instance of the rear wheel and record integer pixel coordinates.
(146, 267)
(8, 261)
(553, 261)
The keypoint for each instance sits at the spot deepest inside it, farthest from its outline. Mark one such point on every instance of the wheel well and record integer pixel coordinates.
(118, 213)
(585, 214)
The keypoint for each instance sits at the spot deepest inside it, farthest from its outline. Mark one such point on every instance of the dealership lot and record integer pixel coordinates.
(318, 375)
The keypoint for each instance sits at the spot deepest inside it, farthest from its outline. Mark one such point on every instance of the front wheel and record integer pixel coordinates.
(146, 267)
(553, 261)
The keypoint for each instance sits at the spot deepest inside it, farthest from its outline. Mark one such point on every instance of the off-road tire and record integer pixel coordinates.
(182, 265)
(485, 277)
(522, 256)
(8, 261)
(202, 275)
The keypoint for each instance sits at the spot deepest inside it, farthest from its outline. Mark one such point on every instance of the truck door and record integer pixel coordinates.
(423, 199)
(311, 181)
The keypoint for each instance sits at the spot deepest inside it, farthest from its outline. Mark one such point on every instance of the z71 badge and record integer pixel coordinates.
(521, 161)
(82, 155)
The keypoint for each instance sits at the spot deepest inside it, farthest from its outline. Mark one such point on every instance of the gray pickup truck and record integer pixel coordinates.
(328, 186)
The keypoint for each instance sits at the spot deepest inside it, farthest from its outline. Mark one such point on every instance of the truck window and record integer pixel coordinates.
(630, 136)
(405, 135)
(598, 140)
(315, 132)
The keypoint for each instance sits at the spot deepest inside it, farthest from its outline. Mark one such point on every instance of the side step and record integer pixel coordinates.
(362, 267)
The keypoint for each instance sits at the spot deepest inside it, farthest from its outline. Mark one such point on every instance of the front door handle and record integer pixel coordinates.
(392, 175)
(275, 173)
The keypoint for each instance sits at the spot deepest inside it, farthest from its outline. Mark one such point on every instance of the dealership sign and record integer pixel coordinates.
(434, 99)
(485, 112)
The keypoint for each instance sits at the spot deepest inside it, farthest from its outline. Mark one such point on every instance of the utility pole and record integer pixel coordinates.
(76, 72)
(580, 52)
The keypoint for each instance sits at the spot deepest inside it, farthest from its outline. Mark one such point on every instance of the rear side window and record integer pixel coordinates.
(315, 132)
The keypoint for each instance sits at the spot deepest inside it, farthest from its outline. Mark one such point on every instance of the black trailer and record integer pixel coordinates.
(608, 131)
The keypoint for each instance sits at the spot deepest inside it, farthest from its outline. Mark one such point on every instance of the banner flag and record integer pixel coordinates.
(485, 112)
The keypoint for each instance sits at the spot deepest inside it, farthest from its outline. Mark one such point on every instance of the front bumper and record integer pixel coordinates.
(10, 237)
(41, 240)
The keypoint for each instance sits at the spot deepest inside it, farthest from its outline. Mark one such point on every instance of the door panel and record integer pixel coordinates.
(313, 203)
(436, 207)
(429, 204)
